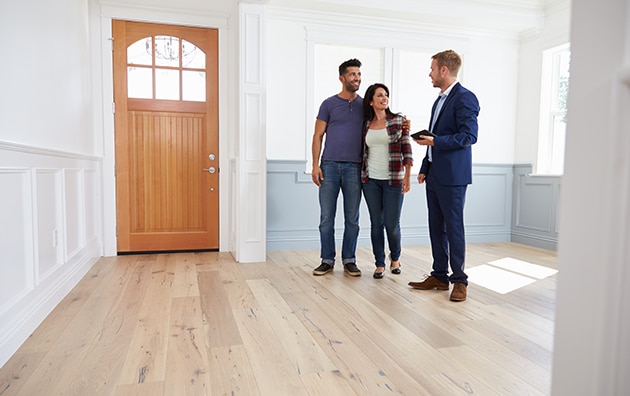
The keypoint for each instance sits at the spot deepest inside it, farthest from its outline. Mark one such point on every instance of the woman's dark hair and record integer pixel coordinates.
(368, 111)
(349, 63)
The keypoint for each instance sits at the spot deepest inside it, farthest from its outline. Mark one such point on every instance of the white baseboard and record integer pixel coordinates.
(23, 317)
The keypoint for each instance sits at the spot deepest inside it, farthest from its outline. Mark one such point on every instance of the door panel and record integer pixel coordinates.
(166, 198)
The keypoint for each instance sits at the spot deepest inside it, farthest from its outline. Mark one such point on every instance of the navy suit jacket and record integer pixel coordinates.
(456, 129)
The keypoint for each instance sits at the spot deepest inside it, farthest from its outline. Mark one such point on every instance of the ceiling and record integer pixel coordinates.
(503, 15)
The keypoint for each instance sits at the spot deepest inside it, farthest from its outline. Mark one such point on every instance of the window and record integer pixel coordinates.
(161, 68)
(553, 110)
(414, 95)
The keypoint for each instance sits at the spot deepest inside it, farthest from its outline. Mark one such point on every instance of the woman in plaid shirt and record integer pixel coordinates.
(385, 173)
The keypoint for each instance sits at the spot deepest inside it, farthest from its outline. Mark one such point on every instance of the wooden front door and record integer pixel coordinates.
(166, 137)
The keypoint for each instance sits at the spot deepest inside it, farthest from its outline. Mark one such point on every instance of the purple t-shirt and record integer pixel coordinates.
(344, 129)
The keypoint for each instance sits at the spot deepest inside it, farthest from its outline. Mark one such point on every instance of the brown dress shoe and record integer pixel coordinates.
(429, 283)
(459, 292)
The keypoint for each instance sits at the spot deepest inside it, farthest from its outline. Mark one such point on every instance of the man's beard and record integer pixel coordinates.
(352, 88)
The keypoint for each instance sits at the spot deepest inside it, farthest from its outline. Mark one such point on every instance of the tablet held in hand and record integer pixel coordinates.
(423, 132)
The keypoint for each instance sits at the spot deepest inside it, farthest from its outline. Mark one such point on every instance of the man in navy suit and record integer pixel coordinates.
(447, 171)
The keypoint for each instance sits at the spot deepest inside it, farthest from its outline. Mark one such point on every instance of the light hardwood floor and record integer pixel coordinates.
(201, 324)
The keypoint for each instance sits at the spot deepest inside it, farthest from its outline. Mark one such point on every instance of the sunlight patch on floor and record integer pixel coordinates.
(507, 274)
(524, 268)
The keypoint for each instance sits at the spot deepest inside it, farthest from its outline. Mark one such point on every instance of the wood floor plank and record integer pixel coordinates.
(407, 307)
(507, 317)
(92, 344)
(459, 382)
(380, 323)
(273, 370)
(42, 338)
(187, 368)
(17, 370)
(218, 320)
(356, 353)
(185, 276)
(234, 283)
(305, 354)
(514, 342)
(327, 383)
(201, 324)
(495, 377)
(231, 372)
(487, 344)
(142, 389)
(146, 357)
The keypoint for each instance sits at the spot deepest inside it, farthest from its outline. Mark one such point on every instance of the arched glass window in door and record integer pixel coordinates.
(166, 68)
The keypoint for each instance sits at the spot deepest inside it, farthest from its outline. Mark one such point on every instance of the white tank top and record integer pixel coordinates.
(377, 142)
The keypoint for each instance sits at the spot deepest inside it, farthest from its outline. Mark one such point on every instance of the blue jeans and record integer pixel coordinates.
(344, 176)
(384, 203)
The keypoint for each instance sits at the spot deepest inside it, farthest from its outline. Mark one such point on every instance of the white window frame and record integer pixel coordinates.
(552, 127)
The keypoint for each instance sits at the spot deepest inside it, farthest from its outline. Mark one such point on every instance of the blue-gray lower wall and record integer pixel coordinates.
(536, 200)
(504, 203)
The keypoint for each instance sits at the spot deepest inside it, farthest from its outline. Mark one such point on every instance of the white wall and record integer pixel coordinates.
(46, 95)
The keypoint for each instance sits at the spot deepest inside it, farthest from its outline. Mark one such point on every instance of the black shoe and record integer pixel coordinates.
(352, 269)
(395, 270)
(379, 275)
(323, 269)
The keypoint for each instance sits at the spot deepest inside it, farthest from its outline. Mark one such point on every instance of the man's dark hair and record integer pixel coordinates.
(349, 63)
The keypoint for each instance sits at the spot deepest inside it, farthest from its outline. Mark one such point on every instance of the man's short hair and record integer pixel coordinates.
(343, 68)
(450, 59)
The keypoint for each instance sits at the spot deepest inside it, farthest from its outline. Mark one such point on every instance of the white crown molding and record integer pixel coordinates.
(116, 10)
(465, 16)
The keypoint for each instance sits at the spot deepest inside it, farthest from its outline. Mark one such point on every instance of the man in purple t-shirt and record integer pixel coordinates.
(340, 118)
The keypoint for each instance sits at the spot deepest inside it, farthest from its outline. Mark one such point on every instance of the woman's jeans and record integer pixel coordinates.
(344, 176)
(384, 204)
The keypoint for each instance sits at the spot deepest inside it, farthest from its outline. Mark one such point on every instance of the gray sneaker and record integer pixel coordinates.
(352, 269)
(323, 269)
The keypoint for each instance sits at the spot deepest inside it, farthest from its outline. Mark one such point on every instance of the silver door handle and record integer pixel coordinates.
(211, 169)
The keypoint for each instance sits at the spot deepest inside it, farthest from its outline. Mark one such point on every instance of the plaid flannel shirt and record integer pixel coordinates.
(400, 152)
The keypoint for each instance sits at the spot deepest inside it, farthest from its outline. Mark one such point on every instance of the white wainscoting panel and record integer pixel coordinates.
(48, 214)
(50, 234)
(16, 258)
(73, 212)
